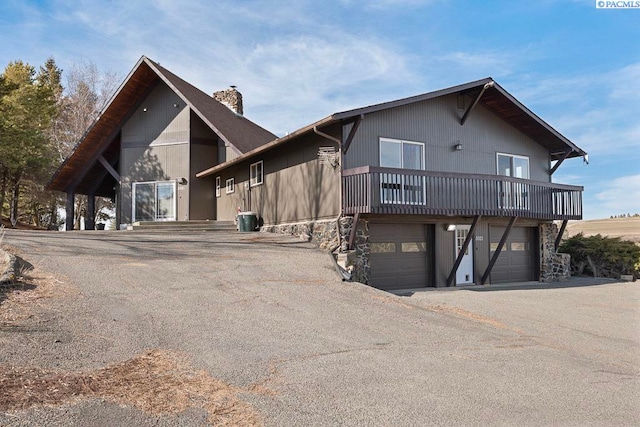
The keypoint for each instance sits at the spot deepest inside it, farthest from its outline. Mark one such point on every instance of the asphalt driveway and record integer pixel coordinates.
(268, 316)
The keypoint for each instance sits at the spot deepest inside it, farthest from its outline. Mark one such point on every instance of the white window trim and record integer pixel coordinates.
(402, 182)
(402, 141)
(218, 186)
(231, 186)
(175, 199)
(251, 178)
(513, 156)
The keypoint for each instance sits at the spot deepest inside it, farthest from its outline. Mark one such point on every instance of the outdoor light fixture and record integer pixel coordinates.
(176, 105)
(450, 227)
(144, 110)
(182, 181)
(458, 146)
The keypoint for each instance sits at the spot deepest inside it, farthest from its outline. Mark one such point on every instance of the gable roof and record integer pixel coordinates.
(80, 170)
(494, 98)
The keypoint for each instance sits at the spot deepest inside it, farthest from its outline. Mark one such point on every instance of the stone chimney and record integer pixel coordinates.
(231, 98)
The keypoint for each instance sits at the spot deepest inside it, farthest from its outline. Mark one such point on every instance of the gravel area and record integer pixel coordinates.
(142, 329)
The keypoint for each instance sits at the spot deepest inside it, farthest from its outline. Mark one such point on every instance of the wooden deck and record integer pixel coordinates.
(371, 189)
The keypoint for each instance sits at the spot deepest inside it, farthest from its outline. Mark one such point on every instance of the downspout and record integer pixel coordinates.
(345, 275)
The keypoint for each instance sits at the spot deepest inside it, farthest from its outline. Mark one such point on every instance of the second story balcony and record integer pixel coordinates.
(371, 189)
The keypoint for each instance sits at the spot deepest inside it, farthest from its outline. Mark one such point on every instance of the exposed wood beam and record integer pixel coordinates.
(352, 133)
(352, 233)
(559, 162)
(70, 210)
(109, 168)
(329, 137)
(463, 250)
(563, 227)
(475, 102)
(496, 254)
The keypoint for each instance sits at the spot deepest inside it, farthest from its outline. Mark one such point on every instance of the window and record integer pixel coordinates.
(231, 187)
(514, 166)
(217, 186)
(513, 194)
(256, 173)
(402, 188)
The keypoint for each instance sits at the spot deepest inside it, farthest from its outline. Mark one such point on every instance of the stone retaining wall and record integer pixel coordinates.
(323, 232)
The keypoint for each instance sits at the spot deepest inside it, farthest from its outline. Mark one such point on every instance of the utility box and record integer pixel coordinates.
(247, 221)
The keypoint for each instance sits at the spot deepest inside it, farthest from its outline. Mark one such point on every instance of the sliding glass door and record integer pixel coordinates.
(154, 201)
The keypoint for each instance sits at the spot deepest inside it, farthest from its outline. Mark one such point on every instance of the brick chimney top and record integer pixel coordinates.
(230, 98)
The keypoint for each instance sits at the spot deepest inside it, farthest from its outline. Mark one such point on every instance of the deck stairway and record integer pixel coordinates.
(174, 226)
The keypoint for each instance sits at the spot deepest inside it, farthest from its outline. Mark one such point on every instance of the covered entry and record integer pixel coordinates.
(401, 256)
(518, 260)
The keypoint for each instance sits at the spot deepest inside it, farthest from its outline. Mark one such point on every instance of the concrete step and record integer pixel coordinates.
(183, 226)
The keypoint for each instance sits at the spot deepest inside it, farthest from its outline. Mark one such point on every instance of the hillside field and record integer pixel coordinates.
(625, 228)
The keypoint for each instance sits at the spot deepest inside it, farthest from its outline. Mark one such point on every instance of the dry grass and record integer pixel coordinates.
(22, 299)
(157, 382)
(625, 228)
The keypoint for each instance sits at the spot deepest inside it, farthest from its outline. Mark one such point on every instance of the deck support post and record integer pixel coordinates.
(463, 250)
(352, 233)
(496, 254)
(563, 227)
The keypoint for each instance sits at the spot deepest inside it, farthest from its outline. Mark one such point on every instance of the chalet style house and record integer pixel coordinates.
(447, 188)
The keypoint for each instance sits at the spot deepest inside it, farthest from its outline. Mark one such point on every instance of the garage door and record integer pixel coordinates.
(518, 259)
(400, 256)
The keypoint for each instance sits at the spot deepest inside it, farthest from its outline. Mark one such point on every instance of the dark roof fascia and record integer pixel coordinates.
(574, 148)
(350, 114)
(187, 101)
(95, 122)
(405, 101)
(268, 146)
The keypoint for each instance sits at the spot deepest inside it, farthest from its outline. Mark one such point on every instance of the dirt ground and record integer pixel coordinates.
(625, 228)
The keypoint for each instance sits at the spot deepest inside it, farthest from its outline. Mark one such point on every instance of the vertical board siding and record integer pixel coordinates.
(296, 186)
(165, 121)
(436, 123)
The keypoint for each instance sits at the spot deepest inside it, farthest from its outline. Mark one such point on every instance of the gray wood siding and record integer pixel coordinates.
(296, 186)
(160, 163)
(436, 123)
(161, 123)
(202, 196)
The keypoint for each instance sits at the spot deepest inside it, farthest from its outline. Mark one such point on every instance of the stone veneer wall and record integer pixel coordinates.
(553, 266)
(323, 232)
(332, 235)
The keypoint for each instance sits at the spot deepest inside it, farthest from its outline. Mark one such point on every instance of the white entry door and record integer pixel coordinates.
(464, 275)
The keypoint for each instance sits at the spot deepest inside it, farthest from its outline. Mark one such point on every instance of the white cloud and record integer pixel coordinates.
(619, 196)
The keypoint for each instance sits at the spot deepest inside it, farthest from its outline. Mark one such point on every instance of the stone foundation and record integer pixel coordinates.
(360, 263)
(324, 232)
(554, 266)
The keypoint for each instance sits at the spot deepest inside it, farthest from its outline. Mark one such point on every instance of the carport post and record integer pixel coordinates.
(90, 214)
(70, 210)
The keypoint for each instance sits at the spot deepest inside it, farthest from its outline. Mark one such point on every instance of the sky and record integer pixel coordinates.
(296, 61)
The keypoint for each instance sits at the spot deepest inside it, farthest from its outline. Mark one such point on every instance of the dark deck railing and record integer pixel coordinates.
(371, 189)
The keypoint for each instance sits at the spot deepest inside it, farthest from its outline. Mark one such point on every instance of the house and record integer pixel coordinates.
(144, 150)
(447, 188)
